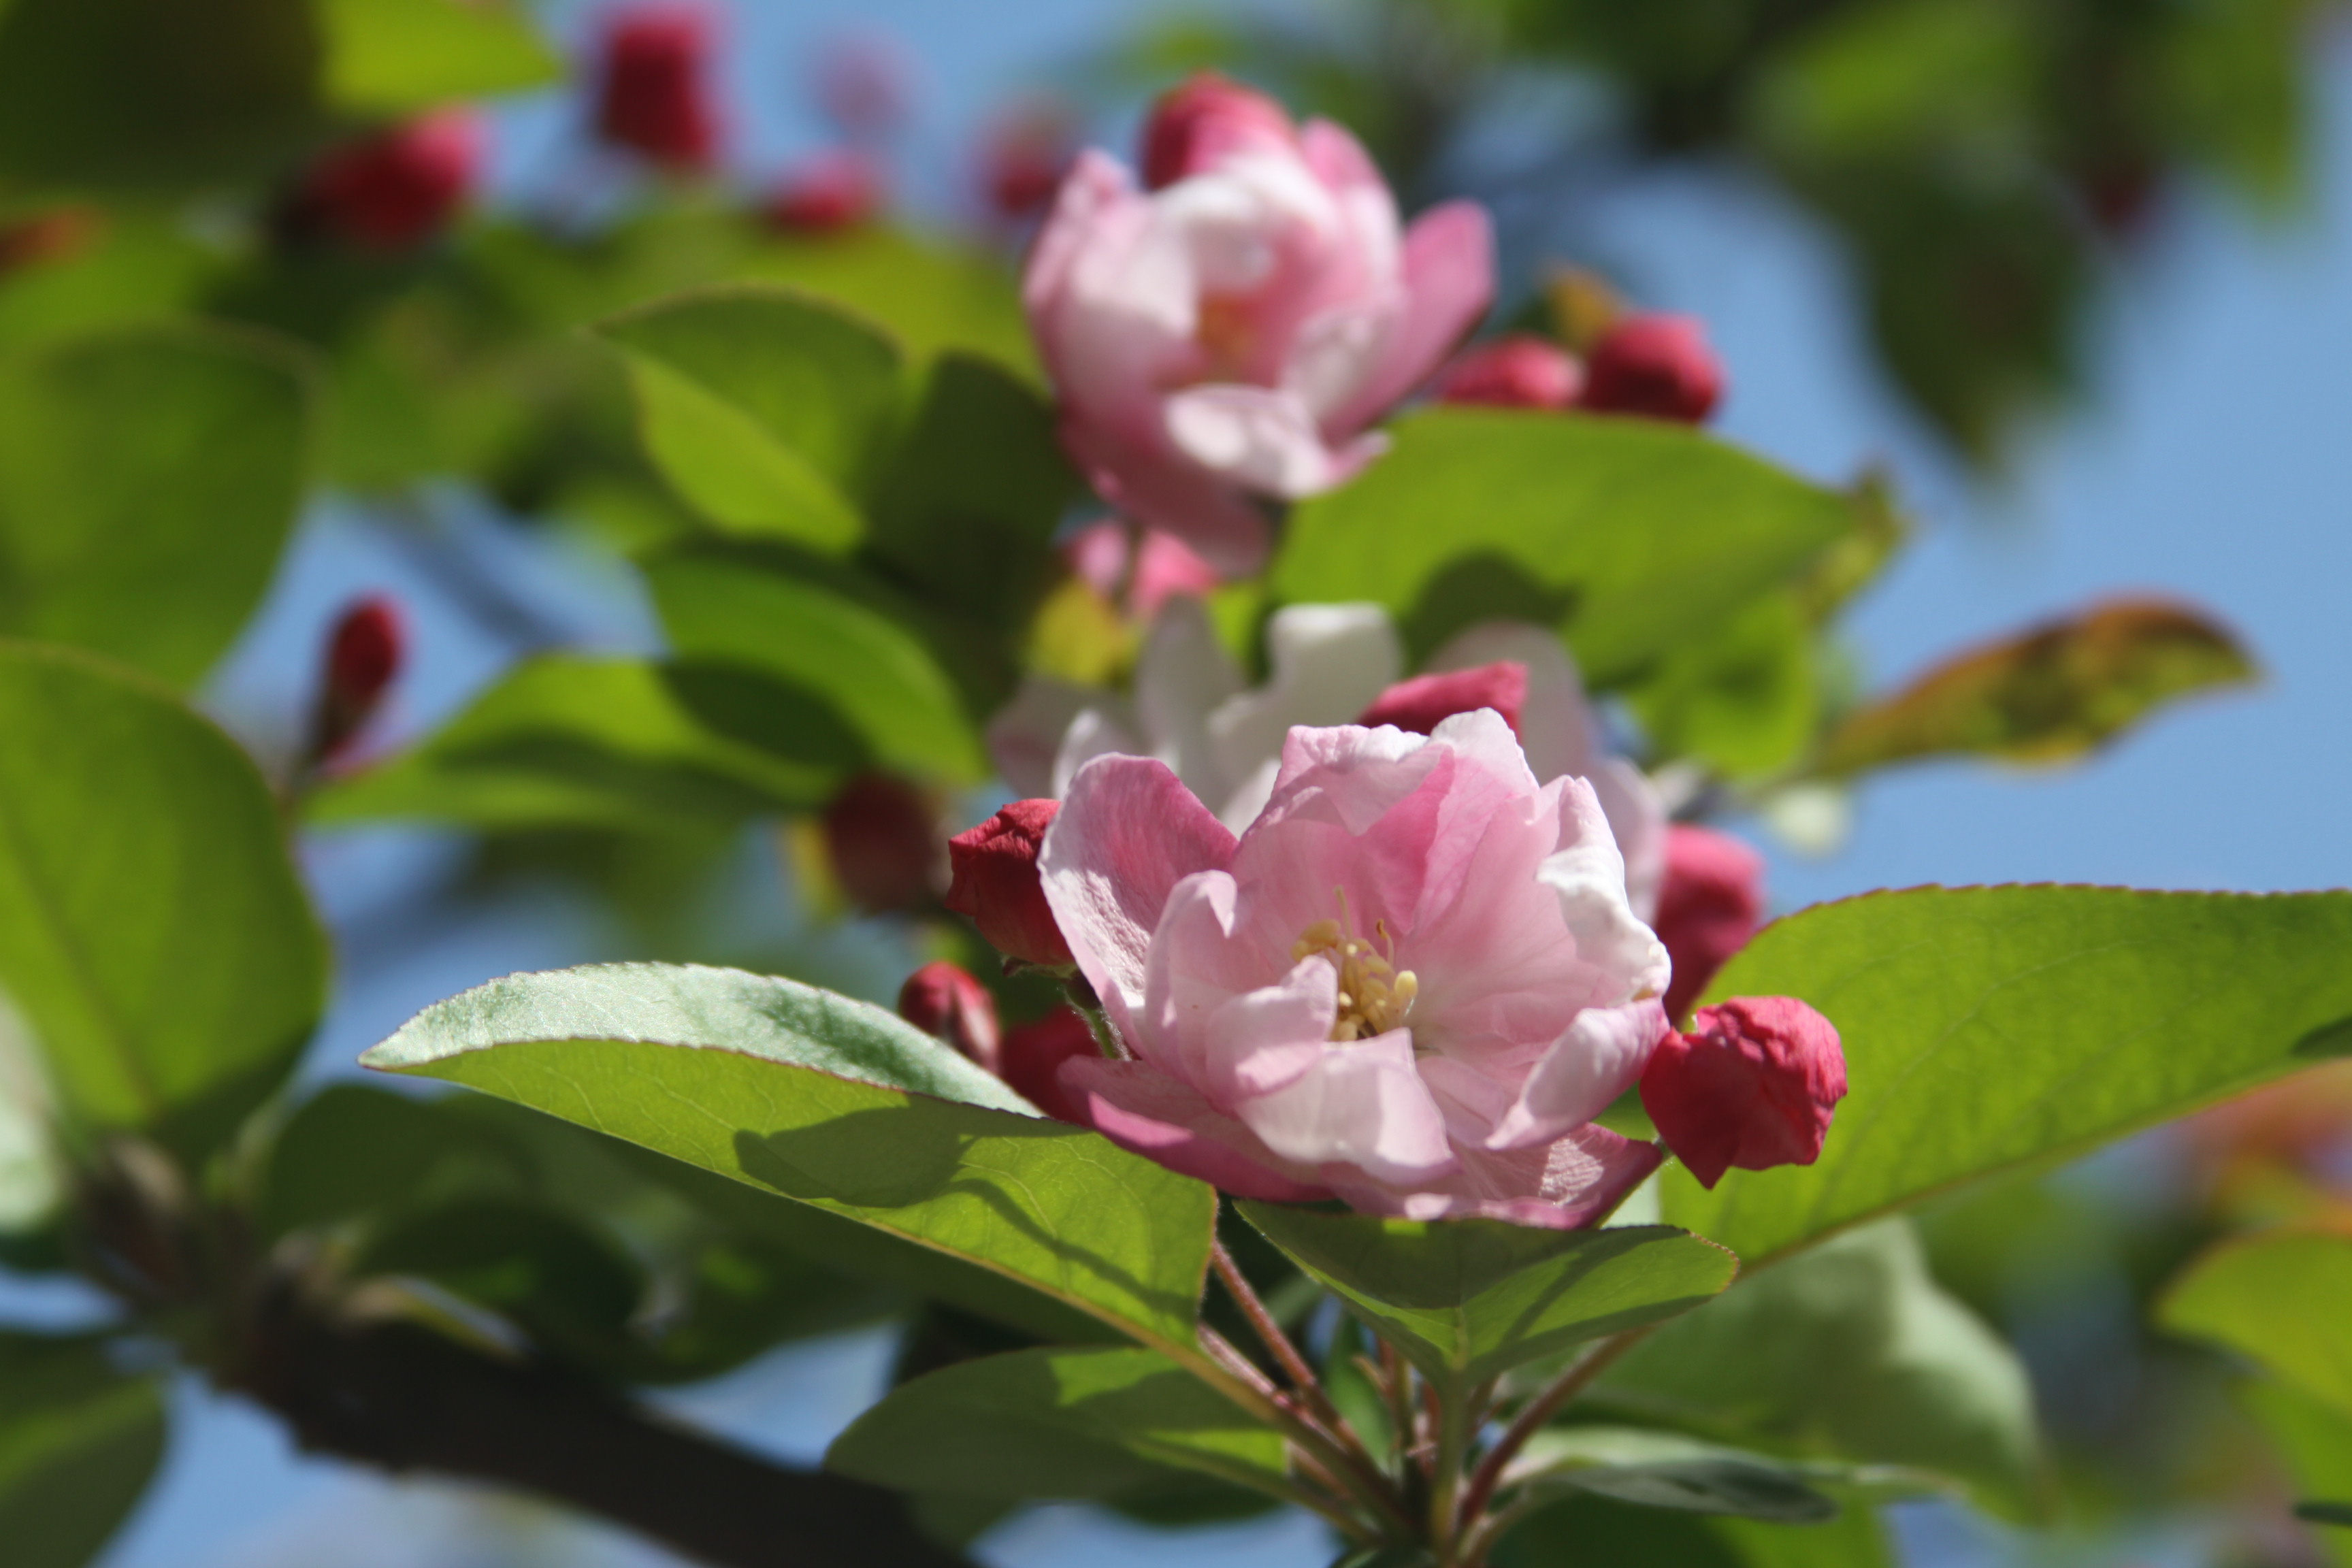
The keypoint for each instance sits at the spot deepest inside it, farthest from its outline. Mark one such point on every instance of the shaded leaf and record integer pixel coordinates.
(78, 1442)
(1987, 1028)
(394, 56)
(1469, 1298)
(830, 1102)
(1056, 1423)
(1656, 1469)
(2048, 695)
(2276, 1298)
(149, 479)
(1743, 697)
(152, 932)
(1628, 534)
(2315, 1439)
(1588, 1528)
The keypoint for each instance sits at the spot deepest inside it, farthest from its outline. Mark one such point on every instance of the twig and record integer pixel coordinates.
(1539, 1410)
(1244, 1385)
(1269, 1332)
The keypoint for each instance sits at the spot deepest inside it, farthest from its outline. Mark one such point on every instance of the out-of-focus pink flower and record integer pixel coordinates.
(865, 84)
(1520, 370)
(1146, 573)
(363, 659)
(826, 194)
(994, 883)
(882, 834)
(1033, 1057)
(398, 187)
(1425, 701)
(652, 93)
(1710, 903)
(1023, 155)
(1236, 329)
(1655, 365)
(1410, 984)
(1752, 1085)
(948, 1003)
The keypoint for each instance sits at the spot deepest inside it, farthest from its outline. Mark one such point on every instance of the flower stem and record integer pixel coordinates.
(1232, 1374)
(1532, 1419)
(1270, 1333)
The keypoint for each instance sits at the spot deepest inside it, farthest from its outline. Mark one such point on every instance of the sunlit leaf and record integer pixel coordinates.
(1986, 1029)
(391, 57)
(2276, 1298)
(838, 1104)
(1662, 1470)
(1056, 1423)
(2048, 695)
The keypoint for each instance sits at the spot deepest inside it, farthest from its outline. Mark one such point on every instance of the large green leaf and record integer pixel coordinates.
(1600, 1531)
(2277, 1297)
(152, 932)
(935, 295)
(827, 638)
(1629, 535)
(838, 1104)
(1852, 1351)
(78, 1441)
(1056, 1423)
(154, 96)
(1989, 1027)
(766, 408)
(393, 56)
(574, 742)
(148, 480)
(2315, 1437)
(1469, 1298)
(1667, 1469)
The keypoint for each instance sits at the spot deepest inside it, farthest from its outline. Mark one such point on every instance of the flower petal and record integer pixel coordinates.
(1599, 1057)
(1326, 663)
(1575, 1182)
(1361, 1105)
(1027, 733)
(1139, 1108)
(1449, 280)
(1261, 438)
(1180, 678)
(1589, 876)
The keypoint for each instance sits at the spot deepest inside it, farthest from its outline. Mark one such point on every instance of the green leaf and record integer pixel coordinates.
(565, 741)
(935, 295)
(149, 479)
(1592, 1529)
(1987, 1028)
(1851, 1352)
(1743, 700)
(829, 639)
(830, 1102)
(152, 932)
(2315, 1439)
(572, 1289)
(1056, 1423)
(394, 57)
(1629, 535)
(1662, 1469)
(78, 1442)
(766, 408)
(2277, 1299)
(156, 97)
(2048, 695)
(1469, 1298)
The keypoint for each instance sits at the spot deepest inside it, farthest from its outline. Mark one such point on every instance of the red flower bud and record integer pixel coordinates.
(996, 883)
(1521, 370)
(826, 194)
(1654, 365)
(1709, 904)
(1197, 126)
(363, 659)
(1023, 158)
(651, 97)
(1422, 703)
(1752, 1085)
(882, 834)
(397, 188)
(950, 1003)
(1033, 1058)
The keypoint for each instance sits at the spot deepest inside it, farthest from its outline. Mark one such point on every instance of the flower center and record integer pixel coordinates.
(1374, 995)
(1228, 331)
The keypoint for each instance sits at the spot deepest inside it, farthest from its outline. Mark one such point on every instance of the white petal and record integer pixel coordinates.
(1327, 663)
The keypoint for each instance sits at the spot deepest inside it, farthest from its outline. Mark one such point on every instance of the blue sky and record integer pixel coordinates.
(2212, 465)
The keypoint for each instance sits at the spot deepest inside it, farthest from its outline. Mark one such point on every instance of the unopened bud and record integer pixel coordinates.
(1421, 704)
(951, 1004)
(826, 195)
(996, 883)
(1033, 1057)
(1023, 157)
(1655, 365)
(363, 659)
(652, 96)
(1709, 903)
(882, 834)
(1195, 127)
(397, 188)
(1521, 370)
(1753, 1085)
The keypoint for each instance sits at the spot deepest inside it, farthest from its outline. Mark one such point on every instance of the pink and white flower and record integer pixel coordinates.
(1236, 328)
(1411, 983)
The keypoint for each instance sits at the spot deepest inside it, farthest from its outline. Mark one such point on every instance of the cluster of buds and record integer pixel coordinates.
(951, 1004)
(395, 189)
(1654, 365)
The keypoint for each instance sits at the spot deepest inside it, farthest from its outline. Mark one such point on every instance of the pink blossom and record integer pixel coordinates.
(1410, 984)
(1235, 331)
(1752, 1085)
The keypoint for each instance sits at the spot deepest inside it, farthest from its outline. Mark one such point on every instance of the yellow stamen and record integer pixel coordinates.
(1374, 995)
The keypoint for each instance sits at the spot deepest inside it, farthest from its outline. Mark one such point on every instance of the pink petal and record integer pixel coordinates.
(1141, 1108)
(1170, 491)
(1578, 1181)
(1589, 876)
(1600, 1057)
(1360, 1104)
(1260, 437)
(1026, 733)
(1127, 834)
(1449, 279)
(1216, 1012)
